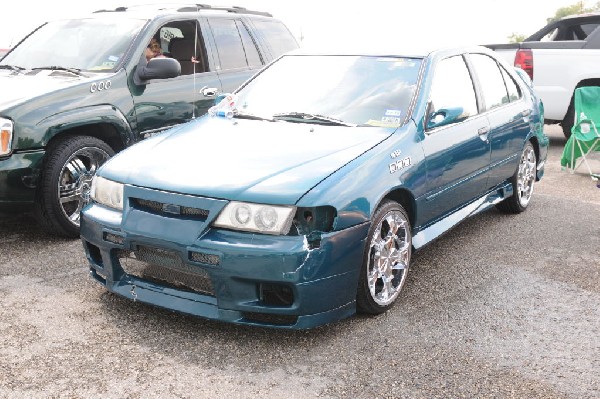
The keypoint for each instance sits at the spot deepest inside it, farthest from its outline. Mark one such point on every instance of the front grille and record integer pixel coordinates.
(165, 267)
(161, 208)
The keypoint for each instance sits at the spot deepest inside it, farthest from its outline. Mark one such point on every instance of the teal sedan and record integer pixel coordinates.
(299, 199)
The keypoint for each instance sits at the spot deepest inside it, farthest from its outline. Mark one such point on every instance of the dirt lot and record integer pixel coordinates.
(502, 306)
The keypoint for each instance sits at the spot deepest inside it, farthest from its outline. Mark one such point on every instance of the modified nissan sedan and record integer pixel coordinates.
(299, 199)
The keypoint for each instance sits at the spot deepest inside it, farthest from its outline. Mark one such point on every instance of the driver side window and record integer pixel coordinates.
(452, 87)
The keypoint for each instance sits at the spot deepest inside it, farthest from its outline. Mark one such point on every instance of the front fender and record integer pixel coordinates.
(87, 116)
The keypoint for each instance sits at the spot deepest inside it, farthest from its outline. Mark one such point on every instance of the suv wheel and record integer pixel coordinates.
(66, 182)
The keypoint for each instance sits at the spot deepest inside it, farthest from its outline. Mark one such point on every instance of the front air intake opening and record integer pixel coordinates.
(95, 254)
(273, 294)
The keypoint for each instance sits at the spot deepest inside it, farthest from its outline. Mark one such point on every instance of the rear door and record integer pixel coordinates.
(507, 113)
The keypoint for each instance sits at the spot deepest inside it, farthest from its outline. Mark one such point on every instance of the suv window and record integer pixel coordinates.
(252, 55)
(453, 87)
(85, 44)
(178, 40)
(229, 44)
(491, 81)
(277, 36)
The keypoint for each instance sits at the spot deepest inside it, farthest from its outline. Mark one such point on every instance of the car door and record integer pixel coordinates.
(456, 155)
(161, 103)
(507, 113)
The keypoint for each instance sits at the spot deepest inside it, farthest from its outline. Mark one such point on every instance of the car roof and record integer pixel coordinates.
(575, 16)
(152, 11)
(385, 50)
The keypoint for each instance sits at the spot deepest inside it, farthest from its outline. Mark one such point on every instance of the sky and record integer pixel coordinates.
(314, 22)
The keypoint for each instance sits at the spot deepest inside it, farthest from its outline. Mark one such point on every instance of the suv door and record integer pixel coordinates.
(456, 155)
(162, 103)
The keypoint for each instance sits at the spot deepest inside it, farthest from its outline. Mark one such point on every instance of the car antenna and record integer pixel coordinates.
(194, 62)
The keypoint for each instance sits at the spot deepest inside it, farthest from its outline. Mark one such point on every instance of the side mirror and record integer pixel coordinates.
(446, 116)
(157, 68)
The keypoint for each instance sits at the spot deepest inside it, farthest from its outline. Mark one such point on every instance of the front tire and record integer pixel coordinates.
(65, 182)
(386, 259)
(522, 181)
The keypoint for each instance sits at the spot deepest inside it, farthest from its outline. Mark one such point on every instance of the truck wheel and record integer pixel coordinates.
(66, 180)
(569, 121)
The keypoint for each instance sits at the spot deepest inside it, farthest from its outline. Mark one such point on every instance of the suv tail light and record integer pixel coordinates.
(524, 60)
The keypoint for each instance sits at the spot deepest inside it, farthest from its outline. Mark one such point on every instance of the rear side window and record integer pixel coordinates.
(229, 44)
(277, 36)
(514, 93)
(491, 81)
(252, 56)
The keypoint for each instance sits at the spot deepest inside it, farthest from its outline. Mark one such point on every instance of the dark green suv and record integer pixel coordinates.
(75, 92)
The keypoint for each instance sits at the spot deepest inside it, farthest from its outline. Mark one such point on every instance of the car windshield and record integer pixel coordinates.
(332, 89)
(83, 44)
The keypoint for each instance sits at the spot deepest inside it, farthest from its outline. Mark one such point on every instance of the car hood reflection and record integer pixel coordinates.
(245, 160)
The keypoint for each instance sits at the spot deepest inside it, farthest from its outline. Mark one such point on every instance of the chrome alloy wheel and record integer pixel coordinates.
(75, 182)
(389, 257)
(526, 175)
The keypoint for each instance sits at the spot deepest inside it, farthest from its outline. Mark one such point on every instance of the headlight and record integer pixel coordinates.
(267, 219)
(107, 192)
(6, 131)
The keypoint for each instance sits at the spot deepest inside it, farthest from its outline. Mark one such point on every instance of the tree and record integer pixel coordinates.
(577, 8)
(516, 38)
(573, 9)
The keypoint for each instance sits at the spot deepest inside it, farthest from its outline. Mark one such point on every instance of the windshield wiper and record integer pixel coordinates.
(253, 117)
(74, 71)
(305, 117)
(12, 68)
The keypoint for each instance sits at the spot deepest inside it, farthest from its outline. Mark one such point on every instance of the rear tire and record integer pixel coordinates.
(65, 182)
(522, 182)
(569, 120)
(386, 259)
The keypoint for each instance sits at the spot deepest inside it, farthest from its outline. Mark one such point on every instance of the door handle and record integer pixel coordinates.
(483, 130)
(209, 91)
(526, 112)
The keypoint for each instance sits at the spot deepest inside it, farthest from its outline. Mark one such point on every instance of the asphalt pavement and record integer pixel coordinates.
(502, 306)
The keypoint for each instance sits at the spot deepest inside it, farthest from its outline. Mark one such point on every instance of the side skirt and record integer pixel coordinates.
(482, 203)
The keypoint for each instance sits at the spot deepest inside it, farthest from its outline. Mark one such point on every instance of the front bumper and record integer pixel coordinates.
(18, 179)
(277, 281)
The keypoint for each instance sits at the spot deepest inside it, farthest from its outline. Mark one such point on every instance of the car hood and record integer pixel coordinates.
(256, 161)
(19, 88)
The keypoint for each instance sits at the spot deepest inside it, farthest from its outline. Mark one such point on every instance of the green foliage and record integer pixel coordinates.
(516, 38)
(577, 8)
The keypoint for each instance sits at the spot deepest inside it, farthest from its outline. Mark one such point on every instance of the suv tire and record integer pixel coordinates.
(65, 182)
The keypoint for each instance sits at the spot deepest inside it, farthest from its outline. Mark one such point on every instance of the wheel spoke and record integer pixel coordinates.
(64, 199)
(77, 168)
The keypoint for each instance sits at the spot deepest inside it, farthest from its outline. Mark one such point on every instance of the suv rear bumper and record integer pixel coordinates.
(18, 179)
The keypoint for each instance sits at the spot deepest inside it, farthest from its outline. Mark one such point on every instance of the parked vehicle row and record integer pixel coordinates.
(213, 168)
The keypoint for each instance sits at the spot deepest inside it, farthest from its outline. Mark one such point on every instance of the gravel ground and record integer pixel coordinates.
(500, 307)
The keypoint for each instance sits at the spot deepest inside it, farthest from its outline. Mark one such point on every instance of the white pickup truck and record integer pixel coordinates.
(559, 58)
